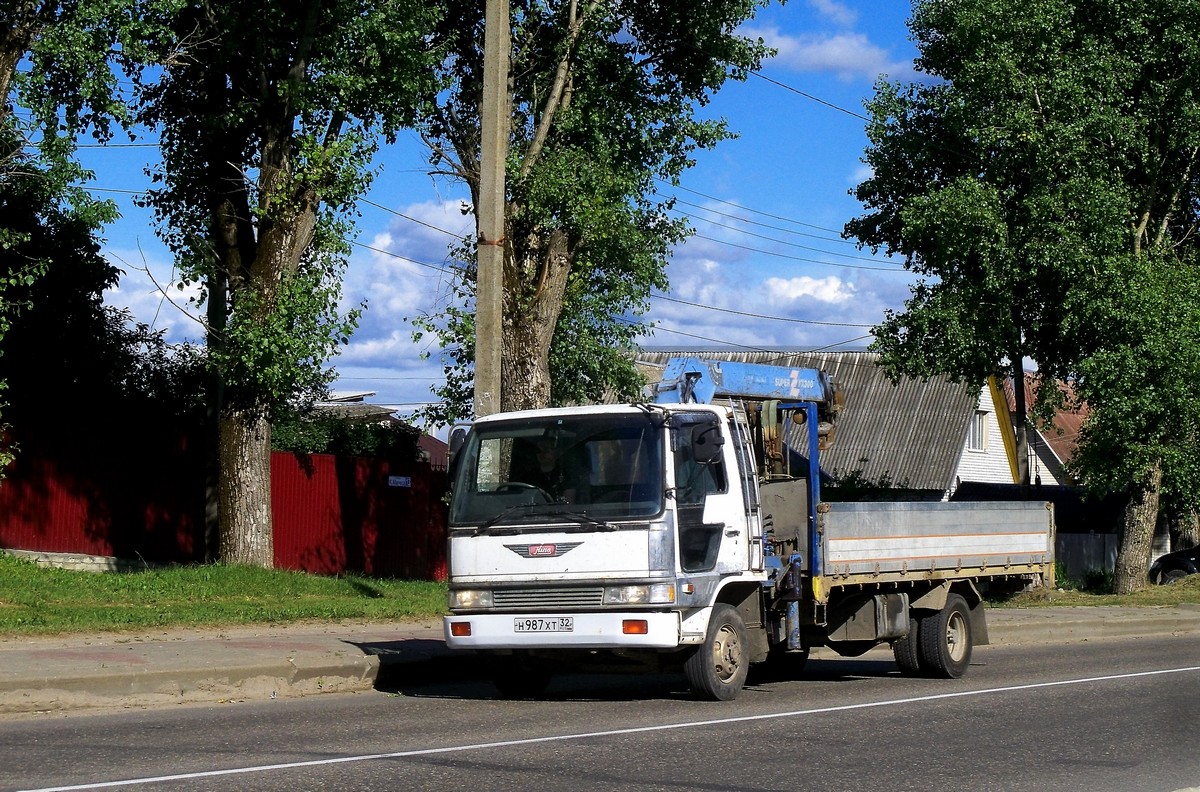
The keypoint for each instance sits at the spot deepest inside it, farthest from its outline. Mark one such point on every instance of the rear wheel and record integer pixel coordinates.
(945, 640)
(717, 668)
(1171, 575)
(906, 650)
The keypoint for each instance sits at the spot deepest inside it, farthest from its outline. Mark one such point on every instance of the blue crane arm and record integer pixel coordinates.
(694, 380)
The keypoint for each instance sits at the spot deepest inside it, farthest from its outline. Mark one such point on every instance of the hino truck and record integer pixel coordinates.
(689, 531)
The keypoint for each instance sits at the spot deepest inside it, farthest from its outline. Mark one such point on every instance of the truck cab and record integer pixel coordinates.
(601, 528)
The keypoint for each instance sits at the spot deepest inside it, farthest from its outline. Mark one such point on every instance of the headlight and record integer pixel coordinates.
(470, 599)
(654, 594)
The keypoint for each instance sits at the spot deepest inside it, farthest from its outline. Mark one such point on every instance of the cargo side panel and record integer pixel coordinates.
(909, 538)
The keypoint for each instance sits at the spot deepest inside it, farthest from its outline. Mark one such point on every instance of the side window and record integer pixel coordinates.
(693, 479)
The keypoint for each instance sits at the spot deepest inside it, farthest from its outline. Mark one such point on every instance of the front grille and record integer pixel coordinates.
(549, 598)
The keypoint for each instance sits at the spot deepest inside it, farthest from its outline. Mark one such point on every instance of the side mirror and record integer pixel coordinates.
(458, 436)
(707, 441)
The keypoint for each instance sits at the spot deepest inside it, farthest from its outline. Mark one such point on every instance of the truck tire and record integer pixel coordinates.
(945, 640)
(716, 670)
(906, 650)
(519, 676)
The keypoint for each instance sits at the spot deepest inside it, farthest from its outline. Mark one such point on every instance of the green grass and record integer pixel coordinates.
(38, 600)
(1093, 590)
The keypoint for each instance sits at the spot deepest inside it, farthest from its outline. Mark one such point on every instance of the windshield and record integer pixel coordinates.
(582, 470)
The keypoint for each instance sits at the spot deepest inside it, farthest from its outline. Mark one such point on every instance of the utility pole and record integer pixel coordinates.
(489, 279)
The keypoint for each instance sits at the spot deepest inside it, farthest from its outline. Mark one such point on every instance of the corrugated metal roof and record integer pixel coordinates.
(911, 432)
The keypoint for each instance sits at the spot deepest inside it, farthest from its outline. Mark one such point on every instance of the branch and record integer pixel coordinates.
(1187, 172)
(553, 101)
(441, 155)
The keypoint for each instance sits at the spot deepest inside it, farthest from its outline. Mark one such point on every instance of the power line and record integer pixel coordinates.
(778, 241)
(754, 211)
(758, 316)
(898, 270)
(748, 221)
(411, 219)
(382, 252)
(810, 97)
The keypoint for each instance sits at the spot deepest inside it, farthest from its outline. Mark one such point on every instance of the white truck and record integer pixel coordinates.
(677, 533)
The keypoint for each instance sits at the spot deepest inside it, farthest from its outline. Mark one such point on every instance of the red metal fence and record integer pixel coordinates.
(381, 518)
(143, 498)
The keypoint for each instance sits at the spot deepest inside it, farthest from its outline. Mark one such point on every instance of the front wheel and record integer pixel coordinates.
(945, 640)
(716, 669)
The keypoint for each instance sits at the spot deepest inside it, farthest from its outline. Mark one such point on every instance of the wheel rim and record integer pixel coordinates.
(727, 653)
(956, 637)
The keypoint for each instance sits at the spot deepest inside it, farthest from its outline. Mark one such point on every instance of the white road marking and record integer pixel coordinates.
(609, 733)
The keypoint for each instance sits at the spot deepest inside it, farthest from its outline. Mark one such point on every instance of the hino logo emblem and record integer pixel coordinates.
(543, 550)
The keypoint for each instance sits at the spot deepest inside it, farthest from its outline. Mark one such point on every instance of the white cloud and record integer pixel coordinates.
(149, 290)
(831, 289)
(848, 55)
(835, 12)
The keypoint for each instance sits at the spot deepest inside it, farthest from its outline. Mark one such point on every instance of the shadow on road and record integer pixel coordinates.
(424, 668)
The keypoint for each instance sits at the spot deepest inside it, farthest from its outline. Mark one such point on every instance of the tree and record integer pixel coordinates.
(605, 96)
(268, 114)
(1049, 163)
(47, 221)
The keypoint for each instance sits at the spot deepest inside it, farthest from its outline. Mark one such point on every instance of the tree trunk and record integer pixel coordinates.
(531, 310)
(1137, 533)
(1184, 527)
(245, 488)
(16, 34)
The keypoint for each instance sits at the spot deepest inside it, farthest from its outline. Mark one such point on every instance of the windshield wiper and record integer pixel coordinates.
(584, 520)
(503, 515)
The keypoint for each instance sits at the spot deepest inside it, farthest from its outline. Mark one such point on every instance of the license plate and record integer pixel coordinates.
(541, 624)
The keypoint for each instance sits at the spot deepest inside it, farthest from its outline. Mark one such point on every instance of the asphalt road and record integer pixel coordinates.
(1098, 716)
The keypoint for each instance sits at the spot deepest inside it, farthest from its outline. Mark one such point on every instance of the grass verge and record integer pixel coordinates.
(37, 600)
(1183, 592)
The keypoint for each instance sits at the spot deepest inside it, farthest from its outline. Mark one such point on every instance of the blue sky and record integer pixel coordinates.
(767, 209)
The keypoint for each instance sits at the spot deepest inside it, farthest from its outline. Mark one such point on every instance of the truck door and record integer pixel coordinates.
(713, 534)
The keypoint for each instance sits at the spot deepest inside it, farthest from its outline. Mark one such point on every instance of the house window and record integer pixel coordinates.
(977, 432)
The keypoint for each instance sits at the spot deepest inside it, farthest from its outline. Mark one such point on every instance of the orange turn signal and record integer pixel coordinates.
(635, 627)
(460, 629)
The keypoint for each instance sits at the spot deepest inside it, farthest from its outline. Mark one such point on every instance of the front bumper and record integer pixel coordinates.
(590, 631)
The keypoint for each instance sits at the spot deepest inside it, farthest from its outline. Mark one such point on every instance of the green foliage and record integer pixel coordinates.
(39, 600)
(1043, 187)
(316, 434)
(1143, 391)
(256, 192)
(52, 326)
(582, 163)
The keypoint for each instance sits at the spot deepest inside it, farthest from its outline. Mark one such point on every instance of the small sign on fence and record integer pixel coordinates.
(399, 481)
